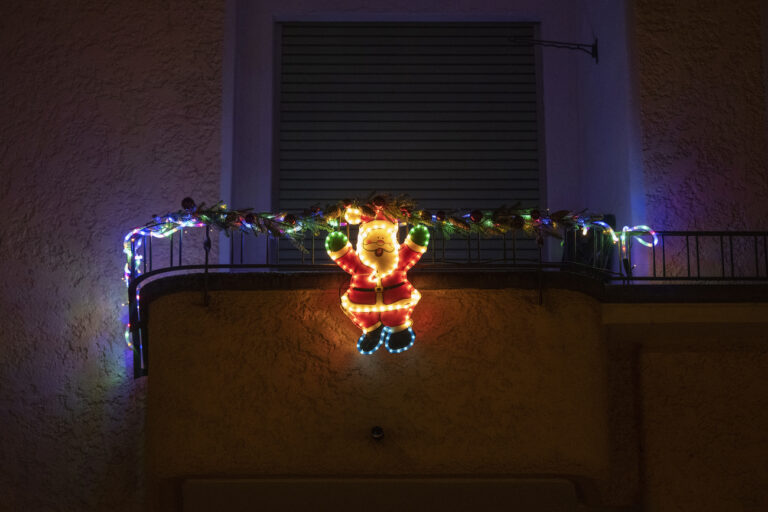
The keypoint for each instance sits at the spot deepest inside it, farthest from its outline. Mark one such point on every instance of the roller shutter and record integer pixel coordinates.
(445, 112)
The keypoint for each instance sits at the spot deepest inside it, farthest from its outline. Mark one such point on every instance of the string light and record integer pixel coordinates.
(623, 239)
(643, 229)
(404, 257)
(132, 243)
(606, 229)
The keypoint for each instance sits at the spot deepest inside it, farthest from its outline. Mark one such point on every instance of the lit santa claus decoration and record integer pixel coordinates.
(380, 299)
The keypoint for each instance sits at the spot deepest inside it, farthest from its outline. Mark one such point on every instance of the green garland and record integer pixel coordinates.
(533, 222)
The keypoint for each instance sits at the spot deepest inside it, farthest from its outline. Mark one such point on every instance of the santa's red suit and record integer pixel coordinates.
(374, 297)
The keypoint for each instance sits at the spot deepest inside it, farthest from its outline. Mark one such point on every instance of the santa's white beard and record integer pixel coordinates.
(380, 260)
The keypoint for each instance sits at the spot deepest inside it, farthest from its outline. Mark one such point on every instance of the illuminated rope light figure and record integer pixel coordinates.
(380, 300)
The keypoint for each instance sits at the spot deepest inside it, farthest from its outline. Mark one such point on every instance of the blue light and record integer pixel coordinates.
(387, 333)
(374, 349)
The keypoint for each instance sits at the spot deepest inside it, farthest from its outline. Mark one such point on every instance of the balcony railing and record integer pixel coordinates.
(689, 257)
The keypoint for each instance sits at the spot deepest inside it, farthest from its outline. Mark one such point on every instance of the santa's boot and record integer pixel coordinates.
(398, 341)
(370, 341)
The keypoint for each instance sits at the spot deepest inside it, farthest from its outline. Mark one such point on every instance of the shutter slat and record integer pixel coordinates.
(463, 90)
(393, 156)
(414, 184)
(464, 68)
(309, 175)
(376, 99)
(421, 30)
(298, 205)
(516, 82)
(411, 117)
(324, 49)
(404, 145)
(379, 59)
(413, 106)
(406, 127)
(442, 136)
(389, 41)
(414, 166)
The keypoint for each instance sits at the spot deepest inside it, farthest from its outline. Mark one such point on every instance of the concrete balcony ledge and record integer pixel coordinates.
(471, 278)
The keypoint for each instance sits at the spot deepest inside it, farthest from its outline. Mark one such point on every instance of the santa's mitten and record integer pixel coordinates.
(335, 241)
(419, 235)
(399, 341)
(370, 341)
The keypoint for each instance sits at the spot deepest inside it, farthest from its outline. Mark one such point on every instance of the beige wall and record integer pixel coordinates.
(661, 401)
(270, 383)
(701, 95)
(701, 398)
(109, 113)
(705, 414)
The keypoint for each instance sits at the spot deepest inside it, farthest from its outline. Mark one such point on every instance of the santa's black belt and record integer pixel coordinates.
(374, 289)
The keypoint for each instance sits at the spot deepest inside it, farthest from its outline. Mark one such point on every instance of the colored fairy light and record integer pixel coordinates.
(607, 229)
(642, 228)
(623, 239)
(133, 242)
(371, 269)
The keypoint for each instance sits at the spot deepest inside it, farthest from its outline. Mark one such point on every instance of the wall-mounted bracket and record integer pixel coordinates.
(591, 49)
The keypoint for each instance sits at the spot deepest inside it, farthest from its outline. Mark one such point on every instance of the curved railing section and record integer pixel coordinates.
(501, 238)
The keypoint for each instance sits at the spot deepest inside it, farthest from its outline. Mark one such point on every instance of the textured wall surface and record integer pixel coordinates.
(702, 105)
(670, 413)
(705, 405)
(270, 383)
(109, 112)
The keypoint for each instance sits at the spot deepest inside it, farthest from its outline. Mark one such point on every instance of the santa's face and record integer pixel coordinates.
(377, 246)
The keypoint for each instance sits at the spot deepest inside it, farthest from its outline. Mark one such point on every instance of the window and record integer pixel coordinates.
(445, 112)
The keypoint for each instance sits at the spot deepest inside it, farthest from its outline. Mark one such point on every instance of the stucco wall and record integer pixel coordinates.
(702, 104)
(701, 398)
(109, 112)
(705, 404)
(659, 405)
(270, 383)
